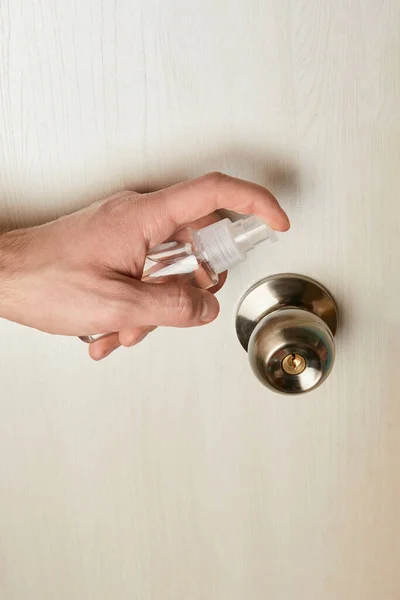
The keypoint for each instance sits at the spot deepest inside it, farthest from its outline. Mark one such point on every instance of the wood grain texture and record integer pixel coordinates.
(141, 478)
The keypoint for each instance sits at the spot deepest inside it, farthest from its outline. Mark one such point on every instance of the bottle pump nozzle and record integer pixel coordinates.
(225, 244)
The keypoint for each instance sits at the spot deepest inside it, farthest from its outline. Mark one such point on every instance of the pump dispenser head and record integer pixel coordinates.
(225, 244)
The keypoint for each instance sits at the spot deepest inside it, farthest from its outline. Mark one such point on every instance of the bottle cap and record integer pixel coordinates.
(225, 244)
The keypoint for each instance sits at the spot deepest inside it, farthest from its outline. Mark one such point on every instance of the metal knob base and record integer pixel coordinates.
(287, 324)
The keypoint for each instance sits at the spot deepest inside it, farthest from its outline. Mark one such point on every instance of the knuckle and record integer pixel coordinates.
(117, 203)
(188, 309)
(132, 337)
(108, 319)
(152, 215)
(215, 178)
(114, 317)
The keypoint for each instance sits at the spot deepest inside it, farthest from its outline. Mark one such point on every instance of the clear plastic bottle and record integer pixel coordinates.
(201, 255)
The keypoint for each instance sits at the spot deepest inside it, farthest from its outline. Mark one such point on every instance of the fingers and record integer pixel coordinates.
(104, 346)
(162, 213)
(142, 304)
(131, 337)
(127, 337)
(170, 304)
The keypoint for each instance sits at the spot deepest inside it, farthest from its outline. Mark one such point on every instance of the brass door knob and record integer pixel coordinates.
(287, 325)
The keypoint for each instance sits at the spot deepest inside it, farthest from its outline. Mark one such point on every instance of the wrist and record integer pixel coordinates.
(13, 247)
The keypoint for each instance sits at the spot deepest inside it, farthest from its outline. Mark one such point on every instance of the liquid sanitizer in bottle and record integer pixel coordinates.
(201, 255)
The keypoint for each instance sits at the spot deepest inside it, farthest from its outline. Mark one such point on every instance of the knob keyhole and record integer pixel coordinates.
(294, 364)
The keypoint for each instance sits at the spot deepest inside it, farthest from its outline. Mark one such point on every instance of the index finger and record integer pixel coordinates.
(166, 211)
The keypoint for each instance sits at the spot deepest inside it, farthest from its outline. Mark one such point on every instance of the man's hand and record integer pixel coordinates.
(80, 275)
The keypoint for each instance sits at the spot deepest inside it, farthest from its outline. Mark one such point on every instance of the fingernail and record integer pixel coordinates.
(210, 309)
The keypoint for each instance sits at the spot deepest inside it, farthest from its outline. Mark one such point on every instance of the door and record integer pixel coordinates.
(144, 478)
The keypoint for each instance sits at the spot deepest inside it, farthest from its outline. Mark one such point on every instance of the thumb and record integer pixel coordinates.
(174, 305)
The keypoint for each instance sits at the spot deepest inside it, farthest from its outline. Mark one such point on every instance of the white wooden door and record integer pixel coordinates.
(137, 478)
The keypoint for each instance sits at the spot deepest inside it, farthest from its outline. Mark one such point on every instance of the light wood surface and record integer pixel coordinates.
(167, 472)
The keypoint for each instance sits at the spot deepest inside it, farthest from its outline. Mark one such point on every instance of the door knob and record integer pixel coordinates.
(287, 324)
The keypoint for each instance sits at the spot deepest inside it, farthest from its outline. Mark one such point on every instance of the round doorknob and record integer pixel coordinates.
(287, 325)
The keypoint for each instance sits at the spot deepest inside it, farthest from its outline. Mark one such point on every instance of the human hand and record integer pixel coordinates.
(80, 274)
